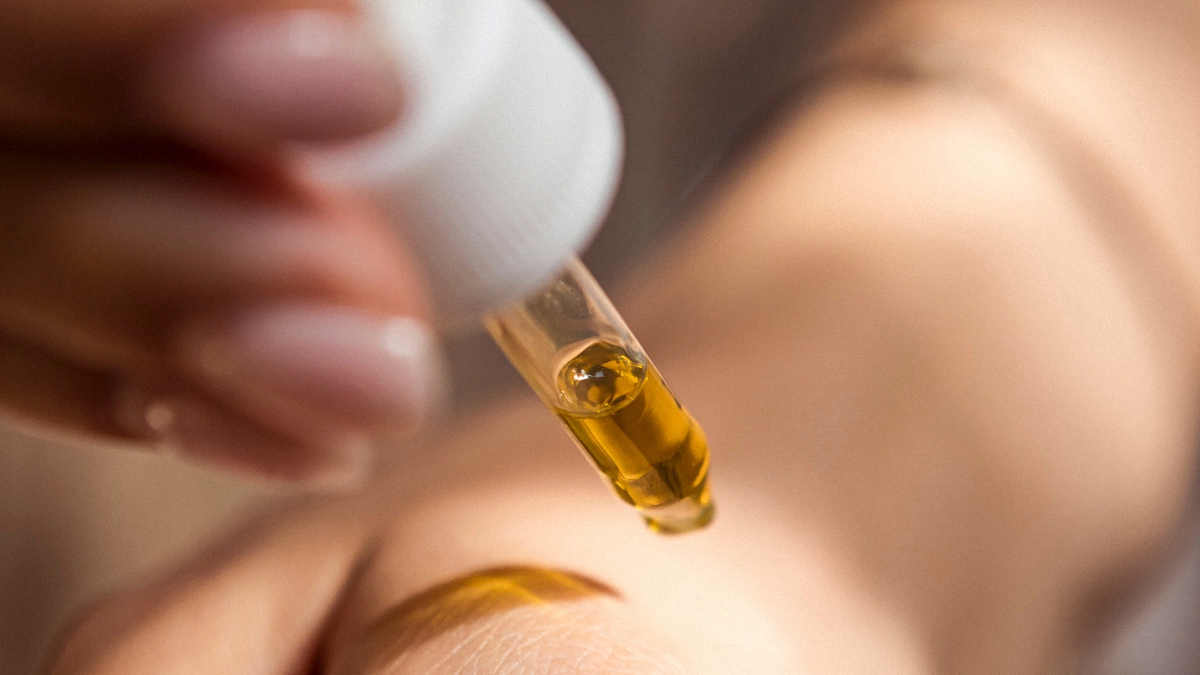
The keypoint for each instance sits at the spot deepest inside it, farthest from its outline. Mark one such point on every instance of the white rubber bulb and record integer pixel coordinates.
(506, 158)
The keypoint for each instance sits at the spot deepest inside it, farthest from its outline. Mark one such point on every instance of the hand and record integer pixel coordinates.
(933, 452)
(164, 278)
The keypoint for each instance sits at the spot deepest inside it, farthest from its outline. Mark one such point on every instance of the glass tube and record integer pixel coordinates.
(572, 347)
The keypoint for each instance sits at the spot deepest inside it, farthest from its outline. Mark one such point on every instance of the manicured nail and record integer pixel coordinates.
(198, 430)
(302, 75)
(369, 372)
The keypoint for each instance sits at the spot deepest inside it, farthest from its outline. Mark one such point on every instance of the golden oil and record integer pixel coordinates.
(574, 349)
(634, 429)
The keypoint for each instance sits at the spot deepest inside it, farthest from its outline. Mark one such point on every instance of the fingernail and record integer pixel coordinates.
(365, 371)
(198, 430)
(299, 75)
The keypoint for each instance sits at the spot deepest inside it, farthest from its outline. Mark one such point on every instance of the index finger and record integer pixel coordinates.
(99, 72)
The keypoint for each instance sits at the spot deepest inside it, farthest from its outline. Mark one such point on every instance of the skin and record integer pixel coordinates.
(151, 209)
(953, 410)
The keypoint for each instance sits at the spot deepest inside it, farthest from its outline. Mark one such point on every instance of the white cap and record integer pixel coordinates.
(506, 159)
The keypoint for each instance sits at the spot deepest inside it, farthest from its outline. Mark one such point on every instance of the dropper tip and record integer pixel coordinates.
(686, 515)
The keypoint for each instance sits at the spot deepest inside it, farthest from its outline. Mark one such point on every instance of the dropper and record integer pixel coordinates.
(500, 171)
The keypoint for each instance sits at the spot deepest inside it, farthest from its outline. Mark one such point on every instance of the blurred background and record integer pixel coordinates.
(693, 78)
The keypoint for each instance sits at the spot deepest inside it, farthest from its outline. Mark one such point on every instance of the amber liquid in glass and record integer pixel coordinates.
(625, 418)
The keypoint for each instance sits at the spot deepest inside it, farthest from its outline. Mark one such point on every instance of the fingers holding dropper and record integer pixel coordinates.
(242, 319)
